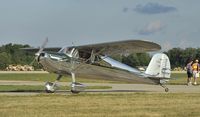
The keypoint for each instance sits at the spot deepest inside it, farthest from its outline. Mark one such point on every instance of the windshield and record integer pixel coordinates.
(58, 56)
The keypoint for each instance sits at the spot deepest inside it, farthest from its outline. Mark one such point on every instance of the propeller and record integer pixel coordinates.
(42, 46)
(37, 54)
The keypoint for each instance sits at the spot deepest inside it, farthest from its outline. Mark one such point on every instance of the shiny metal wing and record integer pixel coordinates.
(120, 47)
(108, 48)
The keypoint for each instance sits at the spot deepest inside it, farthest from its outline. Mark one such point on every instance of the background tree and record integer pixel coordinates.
(178, 57)
(12, 54)
(175, 56)
(136, 59)
(143, 58)
(5, 60)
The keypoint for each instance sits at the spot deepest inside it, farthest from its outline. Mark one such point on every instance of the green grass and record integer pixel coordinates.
(179, 78)
(23, 88)
(47, 77)
(102, 105)
(95, 105)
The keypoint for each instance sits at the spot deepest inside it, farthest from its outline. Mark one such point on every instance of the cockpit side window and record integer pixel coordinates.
(59, 56)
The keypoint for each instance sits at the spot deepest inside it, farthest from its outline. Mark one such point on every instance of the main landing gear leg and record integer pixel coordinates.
(75, 86)
(166, 89)
(52, 87)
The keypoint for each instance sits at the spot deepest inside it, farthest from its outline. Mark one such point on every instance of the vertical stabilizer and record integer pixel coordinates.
(159, 66)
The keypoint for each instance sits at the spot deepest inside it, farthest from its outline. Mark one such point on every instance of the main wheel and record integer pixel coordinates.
(75, 92)
(50, 87)
(77, 87)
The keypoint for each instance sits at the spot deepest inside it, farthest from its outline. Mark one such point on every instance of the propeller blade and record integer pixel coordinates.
(43, 45)
(40, 50)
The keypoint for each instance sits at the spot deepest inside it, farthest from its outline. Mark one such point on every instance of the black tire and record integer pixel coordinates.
(48, 91)
(75, 92)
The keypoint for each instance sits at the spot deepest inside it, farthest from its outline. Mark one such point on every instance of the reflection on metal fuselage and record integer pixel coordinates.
(63, 64)
(56, 62)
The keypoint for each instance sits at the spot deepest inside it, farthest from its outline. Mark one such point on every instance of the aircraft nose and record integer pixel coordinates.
(41, 55)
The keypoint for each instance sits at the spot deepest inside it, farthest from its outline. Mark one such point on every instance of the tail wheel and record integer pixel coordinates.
(166, 89)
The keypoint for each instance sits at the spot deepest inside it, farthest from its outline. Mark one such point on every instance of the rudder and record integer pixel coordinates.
(159, 66)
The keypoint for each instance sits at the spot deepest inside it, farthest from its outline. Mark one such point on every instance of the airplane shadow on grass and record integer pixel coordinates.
(66, 91)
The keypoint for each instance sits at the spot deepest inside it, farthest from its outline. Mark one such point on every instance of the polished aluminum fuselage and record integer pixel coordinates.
(62, 64)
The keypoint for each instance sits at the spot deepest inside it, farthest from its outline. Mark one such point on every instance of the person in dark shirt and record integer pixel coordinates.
(189, 72)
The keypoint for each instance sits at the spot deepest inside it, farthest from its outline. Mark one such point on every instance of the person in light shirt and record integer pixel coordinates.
(195, 69)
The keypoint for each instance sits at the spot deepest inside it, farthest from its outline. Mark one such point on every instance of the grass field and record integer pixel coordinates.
(95, 105)
(177, 78)
(46, 77)
(102, 105)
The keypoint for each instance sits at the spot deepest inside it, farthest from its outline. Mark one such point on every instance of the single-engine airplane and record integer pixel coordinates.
(93, 61)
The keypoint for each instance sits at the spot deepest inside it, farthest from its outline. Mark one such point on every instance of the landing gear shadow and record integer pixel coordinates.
(69, 91)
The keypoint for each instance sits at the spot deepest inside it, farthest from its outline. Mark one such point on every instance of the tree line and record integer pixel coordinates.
(179, 57)
(13, 54)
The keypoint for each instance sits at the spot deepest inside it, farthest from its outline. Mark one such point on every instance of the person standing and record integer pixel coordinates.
(195, 69)
(189, 72)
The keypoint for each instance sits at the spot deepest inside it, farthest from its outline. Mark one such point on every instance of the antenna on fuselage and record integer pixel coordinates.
(73, 45)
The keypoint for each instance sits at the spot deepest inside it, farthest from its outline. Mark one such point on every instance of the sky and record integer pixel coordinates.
(170, 23)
